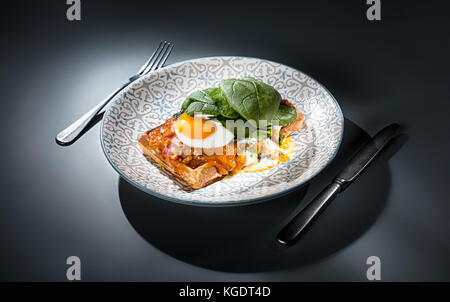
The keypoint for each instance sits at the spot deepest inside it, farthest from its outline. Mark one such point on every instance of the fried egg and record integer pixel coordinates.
(199, 132)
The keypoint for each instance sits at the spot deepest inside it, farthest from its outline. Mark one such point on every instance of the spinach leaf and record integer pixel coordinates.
(221, 100)
(209, 101)
(200, 101)
(285, 115)
(240, 98)
(203, 108)
(252, 99)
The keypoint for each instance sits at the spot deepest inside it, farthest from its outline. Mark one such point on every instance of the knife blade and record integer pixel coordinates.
(299, 224)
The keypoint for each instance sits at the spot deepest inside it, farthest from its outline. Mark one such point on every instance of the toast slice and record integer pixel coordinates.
(197, 170)
(196, 177)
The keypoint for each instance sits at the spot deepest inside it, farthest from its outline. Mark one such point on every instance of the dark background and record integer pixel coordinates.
(62, 201)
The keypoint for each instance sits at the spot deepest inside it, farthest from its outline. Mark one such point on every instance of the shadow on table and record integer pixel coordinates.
(242, 239)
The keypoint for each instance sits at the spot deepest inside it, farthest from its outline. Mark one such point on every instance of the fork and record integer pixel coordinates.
(76, 129)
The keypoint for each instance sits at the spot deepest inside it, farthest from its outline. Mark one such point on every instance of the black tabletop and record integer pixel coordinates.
(68, 201)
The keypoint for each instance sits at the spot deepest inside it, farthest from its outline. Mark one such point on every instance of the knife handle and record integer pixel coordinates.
(298, 225)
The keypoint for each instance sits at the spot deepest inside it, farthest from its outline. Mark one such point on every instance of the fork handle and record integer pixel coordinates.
(70, 134)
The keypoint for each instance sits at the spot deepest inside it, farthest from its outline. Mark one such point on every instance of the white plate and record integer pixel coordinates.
(151, 100)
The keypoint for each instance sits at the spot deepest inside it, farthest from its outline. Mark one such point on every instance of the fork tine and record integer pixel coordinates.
(152, 59)
(165, 56)
(155, 62)
(158, 60)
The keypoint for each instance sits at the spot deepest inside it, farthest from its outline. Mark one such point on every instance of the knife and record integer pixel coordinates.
(299, 224)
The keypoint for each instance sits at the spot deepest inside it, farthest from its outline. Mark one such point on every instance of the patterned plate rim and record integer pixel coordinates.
(230, 203)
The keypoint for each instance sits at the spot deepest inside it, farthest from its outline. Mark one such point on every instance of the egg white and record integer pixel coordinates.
(221, 137)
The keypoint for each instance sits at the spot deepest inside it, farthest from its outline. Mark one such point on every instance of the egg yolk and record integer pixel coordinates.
(195, 128)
